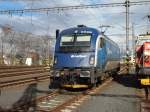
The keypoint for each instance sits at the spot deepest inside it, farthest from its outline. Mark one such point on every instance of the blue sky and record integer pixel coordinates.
(10, 5)
(46, 24)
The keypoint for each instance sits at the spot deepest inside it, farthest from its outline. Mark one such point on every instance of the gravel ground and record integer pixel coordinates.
(119, 96)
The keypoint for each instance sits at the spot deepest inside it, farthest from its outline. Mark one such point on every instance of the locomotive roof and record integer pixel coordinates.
(143, 37)
(83, 29)
(89, 30)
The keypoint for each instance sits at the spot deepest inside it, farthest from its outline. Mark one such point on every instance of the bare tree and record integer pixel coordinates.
(20, 45)
(6, 29)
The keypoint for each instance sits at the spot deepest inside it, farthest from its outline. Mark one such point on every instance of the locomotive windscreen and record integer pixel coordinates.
(141, 41)
(75, 43)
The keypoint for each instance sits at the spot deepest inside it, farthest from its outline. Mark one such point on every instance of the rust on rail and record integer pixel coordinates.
(145, 106)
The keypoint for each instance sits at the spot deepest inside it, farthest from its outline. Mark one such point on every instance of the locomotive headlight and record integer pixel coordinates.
(92, 60)
(147, 52)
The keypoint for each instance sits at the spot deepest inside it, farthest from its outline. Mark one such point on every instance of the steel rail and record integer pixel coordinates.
(21, 70)
(2, 75)
(16, 71)
(15, 67)
(145, 106)
(24, 81)
(17, 76)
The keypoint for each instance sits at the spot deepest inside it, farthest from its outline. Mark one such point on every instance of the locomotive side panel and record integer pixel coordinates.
(108, 56)
(113, 56)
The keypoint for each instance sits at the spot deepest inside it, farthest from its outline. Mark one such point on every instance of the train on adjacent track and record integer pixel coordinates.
(83, 57)
(142, 52)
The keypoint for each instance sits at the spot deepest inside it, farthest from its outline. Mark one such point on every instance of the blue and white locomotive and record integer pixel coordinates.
(82, 57)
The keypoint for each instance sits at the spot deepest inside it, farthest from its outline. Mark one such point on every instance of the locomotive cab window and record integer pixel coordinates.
(75, 43)
(83, 40)
(66, 40)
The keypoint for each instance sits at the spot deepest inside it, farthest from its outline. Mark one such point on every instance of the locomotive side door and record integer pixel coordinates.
(101, 56)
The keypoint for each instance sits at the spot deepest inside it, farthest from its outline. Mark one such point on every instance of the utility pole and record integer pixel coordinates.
(133, 38)
(148, 21)
(2, 46)
(2, 60)
(148, 31)
(49, 58)
(11, 44)
(127, 26)
(127, 5)
(6, 29)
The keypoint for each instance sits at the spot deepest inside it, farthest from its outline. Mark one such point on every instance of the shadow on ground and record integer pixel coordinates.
(127, 80)
(27, 103)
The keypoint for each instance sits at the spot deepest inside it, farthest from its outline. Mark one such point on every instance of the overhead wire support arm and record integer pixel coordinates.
(140, 3)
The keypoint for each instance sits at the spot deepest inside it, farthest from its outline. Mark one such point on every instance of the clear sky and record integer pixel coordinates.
(10, 5)
(47, 23)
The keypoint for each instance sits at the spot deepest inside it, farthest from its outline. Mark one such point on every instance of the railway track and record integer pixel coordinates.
(57, 101)
(145, 102)
(145, 106)
(17, 75)
(67, 102)
(54, 102)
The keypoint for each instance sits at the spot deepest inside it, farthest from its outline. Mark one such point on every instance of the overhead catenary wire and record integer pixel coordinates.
(19, 0)
(62, 8)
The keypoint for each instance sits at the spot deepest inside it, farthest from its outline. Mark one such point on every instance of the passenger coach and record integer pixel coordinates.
(83, 57)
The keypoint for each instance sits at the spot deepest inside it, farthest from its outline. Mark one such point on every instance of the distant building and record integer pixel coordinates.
(33, 58)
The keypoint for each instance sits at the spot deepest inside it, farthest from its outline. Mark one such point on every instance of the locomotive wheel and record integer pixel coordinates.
(54, 83)
(99, 80)
(93, 78)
